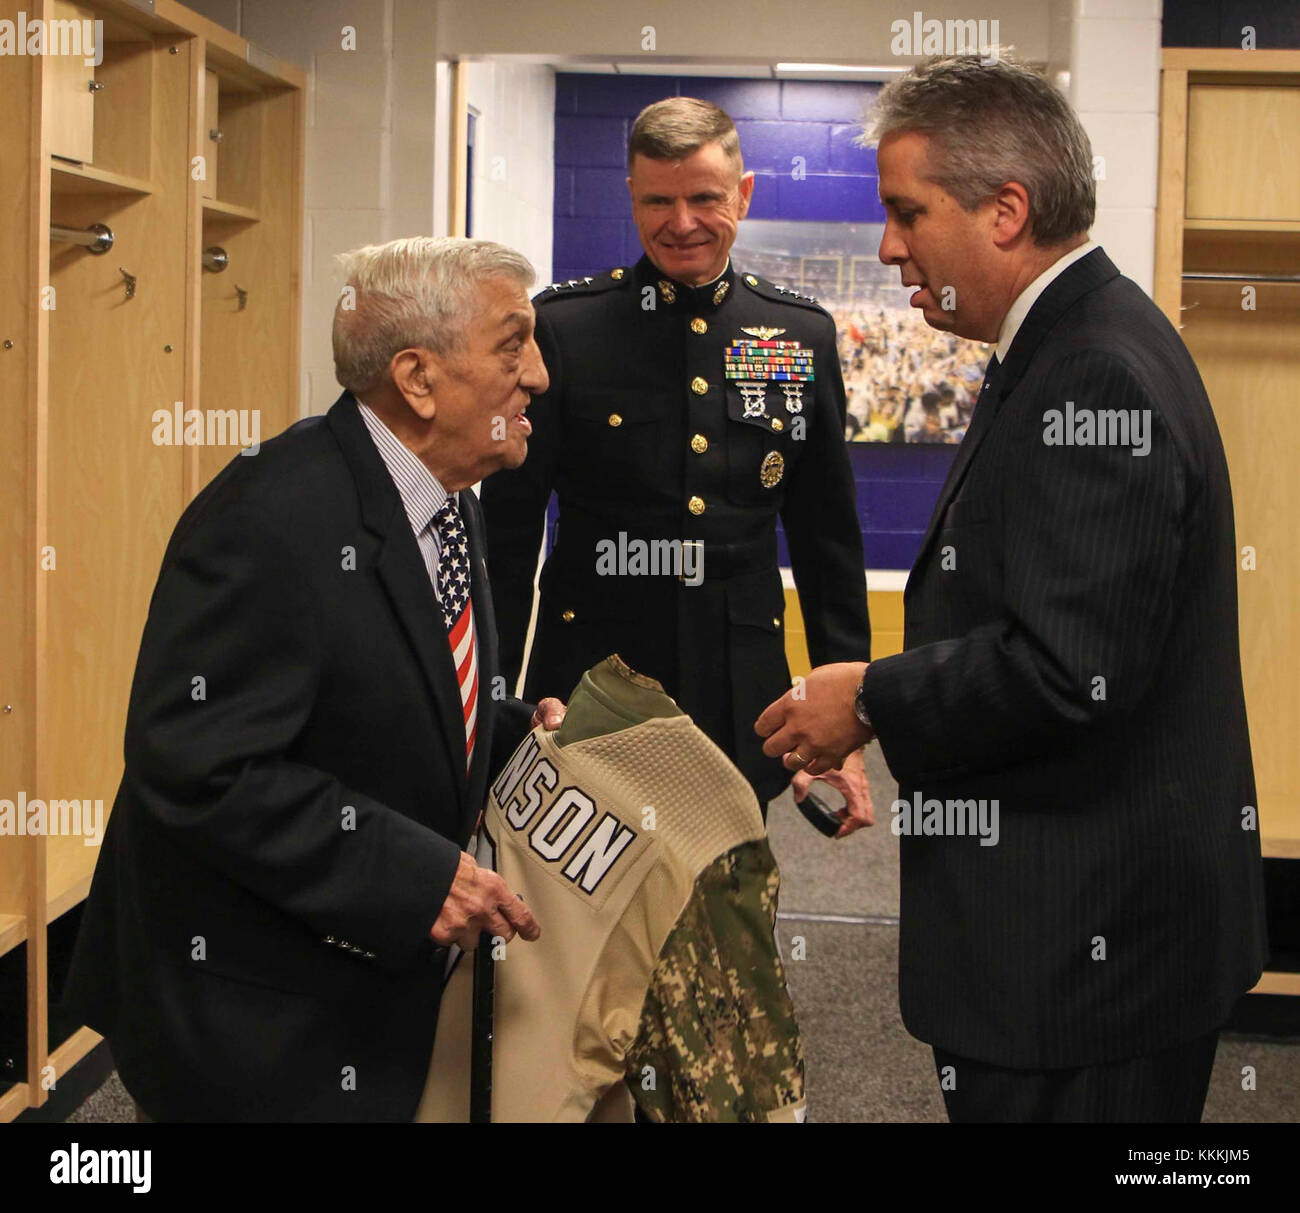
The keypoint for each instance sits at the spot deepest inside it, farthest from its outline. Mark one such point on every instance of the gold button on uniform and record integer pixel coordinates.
(615, 420)
(699, 386)
(696, 505)
(617, 275)
(699, 325)
(567, 616)
(776, 622)
(751, 279)
(699, 443)
(777, 424)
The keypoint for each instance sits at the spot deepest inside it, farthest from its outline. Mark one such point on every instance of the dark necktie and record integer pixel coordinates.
(991, 375)
(986, 401)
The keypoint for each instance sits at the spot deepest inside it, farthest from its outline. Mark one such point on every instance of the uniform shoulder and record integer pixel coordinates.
(780, 294)
(581, 287)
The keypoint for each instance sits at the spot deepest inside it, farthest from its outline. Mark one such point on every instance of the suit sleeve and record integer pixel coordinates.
(514, 723)
(514, 508)
(226, 680)
(1090, 542)
(822, 530)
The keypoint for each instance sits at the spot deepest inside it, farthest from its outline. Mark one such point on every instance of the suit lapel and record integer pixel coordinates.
(401, 571)
(1062, 293)
(985, 409)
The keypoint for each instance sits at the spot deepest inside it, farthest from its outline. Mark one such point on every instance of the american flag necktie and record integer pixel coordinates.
(453, 593)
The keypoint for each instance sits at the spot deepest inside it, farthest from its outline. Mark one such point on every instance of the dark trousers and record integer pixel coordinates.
(1165, 1087)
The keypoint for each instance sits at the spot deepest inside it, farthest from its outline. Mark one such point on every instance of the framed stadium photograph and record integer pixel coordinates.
(904, 381)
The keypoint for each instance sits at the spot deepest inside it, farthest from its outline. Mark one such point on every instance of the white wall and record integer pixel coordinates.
(1113, 61)
(378, 138)
(375, 131)
(514, 157)
(714, 31)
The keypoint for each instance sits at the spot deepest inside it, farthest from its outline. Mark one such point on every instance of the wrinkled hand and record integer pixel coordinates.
(550, 714)
(851, 780)
(479, 900)
(813, 724)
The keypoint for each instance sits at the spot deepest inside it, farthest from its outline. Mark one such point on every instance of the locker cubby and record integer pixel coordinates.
(92, 345)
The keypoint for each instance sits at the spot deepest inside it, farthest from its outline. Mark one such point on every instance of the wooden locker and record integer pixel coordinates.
(211, 130)
(72, 97)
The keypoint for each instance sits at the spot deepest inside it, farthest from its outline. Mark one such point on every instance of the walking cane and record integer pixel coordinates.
(480, 1056)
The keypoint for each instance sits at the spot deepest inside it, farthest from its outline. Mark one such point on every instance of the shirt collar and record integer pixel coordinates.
(1015, 316)
(697, 298)
(421, 493)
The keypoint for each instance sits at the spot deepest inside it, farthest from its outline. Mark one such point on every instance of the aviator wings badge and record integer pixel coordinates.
(763, 334)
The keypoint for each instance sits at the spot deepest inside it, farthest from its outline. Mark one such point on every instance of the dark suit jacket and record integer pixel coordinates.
(256, 941)
(1045, 569)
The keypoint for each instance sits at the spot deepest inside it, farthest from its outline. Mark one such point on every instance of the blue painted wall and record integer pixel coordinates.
(777, 120)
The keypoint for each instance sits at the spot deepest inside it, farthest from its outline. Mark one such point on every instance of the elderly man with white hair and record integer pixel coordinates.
(312, 725)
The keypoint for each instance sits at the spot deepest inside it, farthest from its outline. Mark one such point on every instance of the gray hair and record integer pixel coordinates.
(991, 123)
(417, 292)
(676, 127)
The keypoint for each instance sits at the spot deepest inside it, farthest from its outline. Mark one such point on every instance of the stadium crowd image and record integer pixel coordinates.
(589, 566)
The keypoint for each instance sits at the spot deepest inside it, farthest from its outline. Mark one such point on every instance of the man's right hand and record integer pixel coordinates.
(479, 901)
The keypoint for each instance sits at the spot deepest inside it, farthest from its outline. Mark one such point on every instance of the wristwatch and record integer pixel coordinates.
(860, 707)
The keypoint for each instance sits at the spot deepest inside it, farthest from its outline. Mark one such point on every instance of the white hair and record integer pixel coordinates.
(418, 292)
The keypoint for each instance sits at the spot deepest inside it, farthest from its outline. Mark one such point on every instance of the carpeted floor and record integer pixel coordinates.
(862, 1064)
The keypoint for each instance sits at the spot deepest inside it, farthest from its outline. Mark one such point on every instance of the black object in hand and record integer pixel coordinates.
(820, 807)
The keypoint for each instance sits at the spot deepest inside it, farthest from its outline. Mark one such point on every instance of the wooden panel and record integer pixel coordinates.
(12, 1102)
(241, 117)
(114, 494)
(885, 608)
(1232, 177)
(457, 210)
(211, 122)
(1216, 59)
(71, 119)
(91, 179)
(1242, 225)
(1172, 190)
(1250, 361)
(20, 255)
(250, 357)
(122, 109)
(1278, 983)
(13, 930)
(73, 1050)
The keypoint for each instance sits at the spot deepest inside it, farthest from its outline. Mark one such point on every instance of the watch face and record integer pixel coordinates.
(860, 708)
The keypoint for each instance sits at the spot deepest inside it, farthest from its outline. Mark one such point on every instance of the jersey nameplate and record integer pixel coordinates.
(552, 821)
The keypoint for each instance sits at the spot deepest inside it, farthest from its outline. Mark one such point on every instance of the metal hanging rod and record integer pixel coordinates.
(215, 259)
(97, 238)
(1220, 276)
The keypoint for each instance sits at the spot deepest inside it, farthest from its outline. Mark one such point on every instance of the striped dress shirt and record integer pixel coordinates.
(422, 497)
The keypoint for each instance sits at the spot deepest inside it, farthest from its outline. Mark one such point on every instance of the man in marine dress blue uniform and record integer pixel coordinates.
(690, 406)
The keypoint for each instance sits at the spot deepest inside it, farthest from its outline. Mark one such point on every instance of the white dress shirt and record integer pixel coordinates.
(1015, 316)
(421, 493)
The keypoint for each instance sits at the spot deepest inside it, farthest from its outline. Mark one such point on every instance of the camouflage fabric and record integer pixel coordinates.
(717, 1027)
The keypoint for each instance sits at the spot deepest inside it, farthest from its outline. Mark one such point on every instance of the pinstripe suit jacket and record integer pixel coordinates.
(1071, 652)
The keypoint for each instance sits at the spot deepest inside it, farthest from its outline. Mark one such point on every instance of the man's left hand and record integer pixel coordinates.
(813, 724)
(851, 780)
(549, 714)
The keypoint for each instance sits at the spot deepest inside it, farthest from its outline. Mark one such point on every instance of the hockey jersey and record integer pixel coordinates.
(642, 852)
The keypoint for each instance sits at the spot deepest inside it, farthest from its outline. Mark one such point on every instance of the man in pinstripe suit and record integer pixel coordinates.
(1071, 670)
